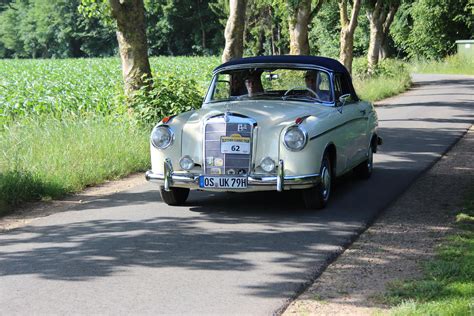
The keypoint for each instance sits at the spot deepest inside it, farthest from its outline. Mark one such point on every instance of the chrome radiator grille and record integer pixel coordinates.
(218, 163)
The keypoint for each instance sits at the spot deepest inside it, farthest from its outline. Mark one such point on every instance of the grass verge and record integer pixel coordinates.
(454, 64)
(447, 287)
(43, 159)
(391, 77)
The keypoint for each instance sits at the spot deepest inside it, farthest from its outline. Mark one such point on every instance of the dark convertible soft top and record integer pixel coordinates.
(328, 63)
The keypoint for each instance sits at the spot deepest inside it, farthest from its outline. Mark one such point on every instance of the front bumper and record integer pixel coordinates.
(255, 182)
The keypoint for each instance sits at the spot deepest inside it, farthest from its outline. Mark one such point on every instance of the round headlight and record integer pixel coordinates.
(267, 164)
(161, 137)
(295, 138)
(186, 163)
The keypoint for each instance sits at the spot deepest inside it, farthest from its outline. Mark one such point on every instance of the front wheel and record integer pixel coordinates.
(176, 196)
(364, 170)
(317, 197)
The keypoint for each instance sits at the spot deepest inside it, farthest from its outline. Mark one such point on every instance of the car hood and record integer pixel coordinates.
(271, 117)
(266, 113)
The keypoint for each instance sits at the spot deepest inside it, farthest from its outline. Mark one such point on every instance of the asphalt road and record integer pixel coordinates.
(222, 253)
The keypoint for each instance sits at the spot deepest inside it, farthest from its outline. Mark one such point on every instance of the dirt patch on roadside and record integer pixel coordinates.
(405, 235)
(31, 211)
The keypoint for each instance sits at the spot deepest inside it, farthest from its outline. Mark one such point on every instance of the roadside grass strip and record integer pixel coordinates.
(46, 159)
(447, 287)
(455, 64)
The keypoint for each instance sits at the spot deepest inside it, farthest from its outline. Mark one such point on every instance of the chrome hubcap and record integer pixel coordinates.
(326, 182)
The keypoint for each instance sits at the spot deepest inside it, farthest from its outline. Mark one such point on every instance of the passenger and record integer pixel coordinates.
(313, 82)
(322, 87)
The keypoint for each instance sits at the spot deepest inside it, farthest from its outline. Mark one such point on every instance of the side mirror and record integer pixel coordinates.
(344, 98)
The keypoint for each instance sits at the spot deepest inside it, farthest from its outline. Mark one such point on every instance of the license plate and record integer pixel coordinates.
(223, 182)
(235, 145)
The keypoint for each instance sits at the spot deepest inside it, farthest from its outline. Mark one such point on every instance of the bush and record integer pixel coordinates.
(164, 96)
(17, 186)
(388, 68)
(391, 77)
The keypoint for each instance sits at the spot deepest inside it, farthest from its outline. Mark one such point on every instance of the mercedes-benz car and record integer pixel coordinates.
(269, 123)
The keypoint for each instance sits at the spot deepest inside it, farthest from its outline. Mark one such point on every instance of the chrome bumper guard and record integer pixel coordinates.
(255, 182)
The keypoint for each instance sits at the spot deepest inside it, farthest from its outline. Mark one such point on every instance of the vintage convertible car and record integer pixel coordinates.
(267, 123)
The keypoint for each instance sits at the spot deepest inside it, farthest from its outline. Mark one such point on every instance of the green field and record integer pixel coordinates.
(65, 125)
(52, 87)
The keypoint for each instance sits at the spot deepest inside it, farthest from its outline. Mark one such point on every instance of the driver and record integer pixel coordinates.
(253, 84)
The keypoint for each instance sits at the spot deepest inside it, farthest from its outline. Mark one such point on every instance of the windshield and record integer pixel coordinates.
(271, 83)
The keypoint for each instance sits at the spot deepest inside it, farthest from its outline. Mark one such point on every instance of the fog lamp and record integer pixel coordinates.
(267, 164)
(186, 163)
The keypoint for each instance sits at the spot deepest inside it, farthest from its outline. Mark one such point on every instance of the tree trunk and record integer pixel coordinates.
(277, 40)
(260, 42)
(234, 31)
(300, 17)
(131, 36)
(383, 53)
(298, 23)
(347, 32)
(203, 30)
(376, 18)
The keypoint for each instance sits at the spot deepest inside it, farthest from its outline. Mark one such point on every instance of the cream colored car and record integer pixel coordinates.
(267, 123)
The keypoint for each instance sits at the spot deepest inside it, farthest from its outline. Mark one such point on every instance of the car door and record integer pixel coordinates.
(350, 127)
(360, 116)
(362, 128)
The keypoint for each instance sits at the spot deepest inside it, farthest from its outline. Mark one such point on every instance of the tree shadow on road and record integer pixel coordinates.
(219, 231)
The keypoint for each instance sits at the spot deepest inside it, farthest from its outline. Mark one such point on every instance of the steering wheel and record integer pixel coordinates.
(301, 88)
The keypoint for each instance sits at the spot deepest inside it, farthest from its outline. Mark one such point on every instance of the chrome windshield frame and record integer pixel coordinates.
(210, 90)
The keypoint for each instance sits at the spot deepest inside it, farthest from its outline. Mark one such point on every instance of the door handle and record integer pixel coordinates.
(363, 112)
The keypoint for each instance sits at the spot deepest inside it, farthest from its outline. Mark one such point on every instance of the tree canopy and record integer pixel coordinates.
(71, 28)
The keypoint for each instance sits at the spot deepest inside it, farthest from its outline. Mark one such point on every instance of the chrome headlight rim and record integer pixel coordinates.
(305, 137)
(171, 136)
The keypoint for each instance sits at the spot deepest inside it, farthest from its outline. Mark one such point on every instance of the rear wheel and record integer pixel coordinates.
(176, 196)
(317, 197)
(364, 170)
